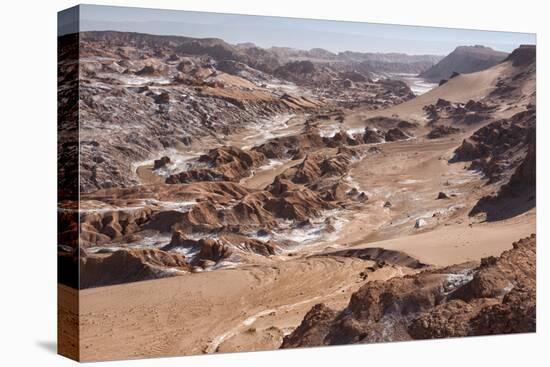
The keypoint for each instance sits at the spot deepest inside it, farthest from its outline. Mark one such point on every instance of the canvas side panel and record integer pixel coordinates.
(67, 181)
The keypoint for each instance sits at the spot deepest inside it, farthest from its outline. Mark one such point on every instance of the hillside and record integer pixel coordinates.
(464, 60)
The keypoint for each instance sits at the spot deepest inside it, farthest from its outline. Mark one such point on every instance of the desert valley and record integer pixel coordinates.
(237, 198)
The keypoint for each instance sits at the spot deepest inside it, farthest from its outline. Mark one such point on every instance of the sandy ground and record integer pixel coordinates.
(460, 89)
(251, 307)
(211, 311)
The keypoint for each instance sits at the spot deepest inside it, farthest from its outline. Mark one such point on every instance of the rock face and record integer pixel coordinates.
(518, 194)
(497, 296)
(525, 176)
(464, 59)
(498, 146)
(523, 55)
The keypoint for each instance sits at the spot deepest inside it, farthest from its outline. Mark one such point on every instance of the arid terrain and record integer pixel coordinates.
(234, 198)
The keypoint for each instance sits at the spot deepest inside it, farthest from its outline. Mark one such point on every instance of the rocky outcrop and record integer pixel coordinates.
(499, 299)
(251, 245)
(232, 162)
(286, 146)
(296, 71)
(515, 314)
(221, 247)
(523, 55)
(395, 134)
(211, 249)
(99, 227)
(442, 196)
(496, 296)
(397, 87)
(313, 329)
(381, 256)
(373, 136)
(525, 175)
(283, 199)
(448, 320)
(161, 162)
(517, 195)
(316, 166)
(298, 205)
(129, 265)
(441, 131)
(469, 113)
(198, 175)
(496, 147)
(385, 122)
(281, 185)
(251, 211)
(222, 164)
(149, 70)
(179, 240)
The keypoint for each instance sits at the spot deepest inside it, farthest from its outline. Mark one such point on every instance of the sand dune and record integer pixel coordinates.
(462, 88)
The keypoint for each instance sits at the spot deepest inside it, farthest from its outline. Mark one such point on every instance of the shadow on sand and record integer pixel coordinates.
(496, 210)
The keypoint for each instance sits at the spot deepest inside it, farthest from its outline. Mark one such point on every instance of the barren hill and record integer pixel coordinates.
(464, 59)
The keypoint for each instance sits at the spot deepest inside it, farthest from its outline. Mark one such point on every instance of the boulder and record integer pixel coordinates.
(372, 136)
(442, 195)
(160, 163)
(395, 134)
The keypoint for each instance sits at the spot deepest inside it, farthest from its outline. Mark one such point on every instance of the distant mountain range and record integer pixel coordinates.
(464, 59)
(269, 59)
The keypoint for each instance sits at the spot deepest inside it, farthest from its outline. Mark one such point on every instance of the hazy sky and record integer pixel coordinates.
(265, 32)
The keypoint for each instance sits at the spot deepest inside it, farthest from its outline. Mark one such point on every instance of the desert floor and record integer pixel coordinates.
(251, 307)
